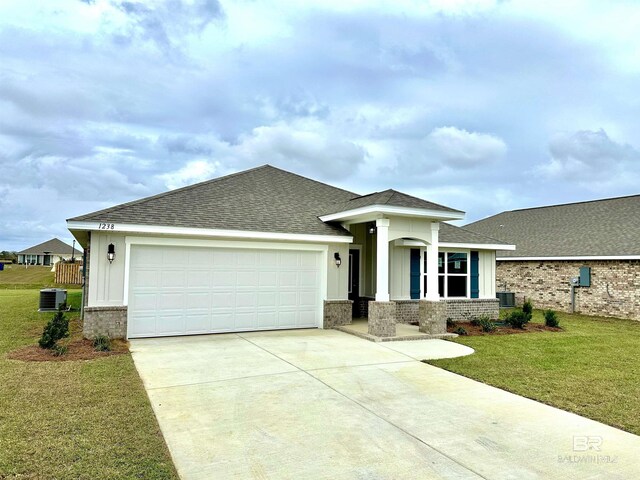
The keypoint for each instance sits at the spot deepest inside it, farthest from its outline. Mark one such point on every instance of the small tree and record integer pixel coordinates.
(551, 318)
(527, 308)
(518, 318)
(56, 329)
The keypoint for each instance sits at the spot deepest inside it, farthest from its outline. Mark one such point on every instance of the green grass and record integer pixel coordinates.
(35, 276)
(76, 419)
(592, 368)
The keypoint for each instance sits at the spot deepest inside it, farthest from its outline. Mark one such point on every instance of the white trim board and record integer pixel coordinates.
(478, 246)
(576, 258)
(206, 232)
(373, 210)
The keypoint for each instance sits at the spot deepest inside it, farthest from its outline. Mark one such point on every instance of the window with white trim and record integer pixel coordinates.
(453, 274)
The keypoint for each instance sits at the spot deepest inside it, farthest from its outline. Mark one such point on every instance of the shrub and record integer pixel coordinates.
(59, 350)
(518, 318)
(475, 322)
(460, 331)
(551, 318)
(486, 324)
(102, 343)
(527, 308)
(57, 328)
(450, 323)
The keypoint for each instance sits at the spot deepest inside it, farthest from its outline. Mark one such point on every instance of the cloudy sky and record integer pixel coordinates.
(481, 105)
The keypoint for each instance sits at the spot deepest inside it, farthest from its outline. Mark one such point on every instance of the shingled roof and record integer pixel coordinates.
(391, 198)
(452, 234)
(54, 246)
(608, 227)
(263, 199)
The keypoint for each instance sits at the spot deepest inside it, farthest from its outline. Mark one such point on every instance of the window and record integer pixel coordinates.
(453, 274)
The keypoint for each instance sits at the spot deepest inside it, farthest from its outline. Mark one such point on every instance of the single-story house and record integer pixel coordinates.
(48, 253)
(268, 249)
(588, 250)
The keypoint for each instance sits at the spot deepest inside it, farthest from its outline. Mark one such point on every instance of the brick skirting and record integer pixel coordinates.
(465, 309)
(109, 321)
(337, 312)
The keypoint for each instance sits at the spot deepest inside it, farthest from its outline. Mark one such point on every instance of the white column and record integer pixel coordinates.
(382, 260)
(432, 264)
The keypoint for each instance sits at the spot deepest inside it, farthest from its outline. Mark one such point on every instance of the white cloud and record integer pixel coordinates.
(590, 155)
(110, 100)
(463, 149)
(314, 151)
(193, 172)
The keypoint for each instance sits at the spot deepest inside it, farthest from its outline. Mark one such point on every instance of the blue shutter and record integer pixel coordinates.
(414, 272)
(475, 275)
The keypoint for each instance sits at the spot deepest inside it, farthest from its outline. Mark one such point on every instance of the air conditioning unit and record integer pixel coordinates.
(51, 299)
(507, 299)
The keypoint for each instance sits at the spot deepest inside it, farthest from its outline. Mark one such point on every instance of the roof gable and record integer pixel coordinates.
(391, 198)
(53, 246)
(265, 199)
(607, 227)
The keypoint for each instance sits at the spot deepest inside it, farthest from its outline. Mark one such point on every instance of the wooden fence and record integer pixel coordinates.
(69, 273)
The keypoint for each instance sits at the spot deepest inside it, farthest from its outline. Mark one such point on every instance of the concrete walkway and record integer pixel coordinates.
(322, 404)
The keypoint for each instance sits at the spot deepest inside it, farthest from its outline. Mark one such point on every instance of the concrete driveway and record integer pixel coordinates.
(322, 404)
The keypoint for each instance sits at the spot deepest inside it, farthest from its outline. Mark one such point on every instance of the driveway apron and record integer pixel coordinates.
(322, 404)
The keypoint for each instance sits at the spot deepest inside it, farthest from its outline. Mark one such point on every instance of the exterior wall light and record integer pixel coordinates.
(111, 252)
(372, 230)
(337, 259)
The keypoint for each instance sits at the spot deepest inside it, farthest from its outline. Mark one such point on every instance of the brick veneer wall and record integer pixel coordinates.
(614, 290)
(465, 309)
(457, 309)
(407, 311)
(337, 312)
(109, 321)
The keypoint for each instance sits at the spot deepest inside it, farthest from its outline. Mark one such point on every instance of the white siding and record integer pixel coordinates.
(487, 270)
(106, 281)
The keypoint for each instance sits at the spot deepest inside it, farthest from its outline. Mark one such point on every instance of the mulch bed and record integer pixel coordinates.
(473, 330)
(77, 349)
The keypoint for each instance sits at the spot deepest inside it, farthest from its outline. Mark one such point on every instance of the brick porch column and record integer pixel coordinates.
(382, 319)
(433, 317)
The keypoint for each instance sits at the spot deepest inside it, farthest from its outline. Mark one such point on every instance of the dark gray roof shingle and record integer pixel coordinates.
(53, 246)
(452, 234)
(263, 199)
(608, 227)
(391, 198)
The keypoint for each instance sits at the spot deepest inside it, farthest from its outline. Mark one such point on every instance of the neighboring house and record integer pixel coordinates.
(48, 253)
(555, 242)
(267, 249)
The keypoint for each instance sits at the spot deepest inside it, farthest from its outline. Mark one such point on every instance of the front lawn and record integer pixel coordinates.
(592, 368)
(31, 276)
(71, 419)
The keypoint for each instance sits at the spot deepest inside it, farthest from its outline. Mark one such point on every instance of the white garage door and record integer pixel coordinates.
(190, 290)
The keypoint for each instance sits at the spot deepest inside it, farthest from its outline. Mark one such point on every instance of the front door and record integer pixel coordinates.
(354, 281)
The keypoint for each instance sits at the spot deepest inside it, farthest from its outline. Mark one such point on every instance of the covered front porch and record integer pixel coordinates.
(393, 291)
